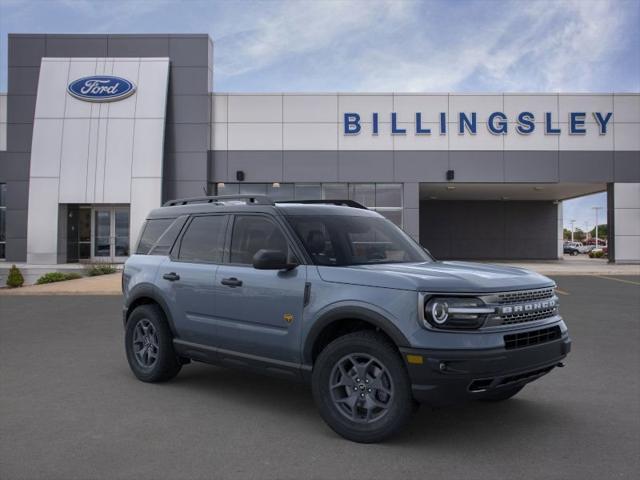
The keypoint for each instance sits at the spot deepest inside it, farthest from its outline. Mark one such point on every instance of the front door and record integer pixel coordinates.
(110, 234)
(259, 312)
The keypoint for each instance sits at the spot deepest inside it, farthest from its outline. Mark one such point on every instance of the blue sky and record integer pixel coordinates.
(386, 45)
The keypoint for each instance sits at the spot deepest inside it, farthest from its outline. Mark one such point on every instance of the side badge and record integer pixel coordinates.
(288, 317)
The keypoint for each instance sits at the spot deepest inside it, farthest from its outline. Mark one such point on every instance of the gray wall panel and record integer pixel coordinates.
(188, 80)
(258, 166)
(310, 166)
(477, 166)
(26, 50)
(189, 51)
(365, 166)
(530, 166)
(16, 249)
(23, 80)
(19, 137)
(22, 108)
(16, 223)
(626, 166)
(76, 46)
(138, 46)
(489, 230)
(187, 137)
(16, 167)
(188, 109)
(218, 164)
(183, 189)
(425, 166)
(185, 166)
(586, 166)
(17, 195)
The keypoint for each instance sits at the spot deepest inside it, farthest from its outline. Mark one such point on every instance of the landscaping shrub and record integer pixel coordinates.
(101, 269)
(596, 254)
(15, 278)
(52, 277)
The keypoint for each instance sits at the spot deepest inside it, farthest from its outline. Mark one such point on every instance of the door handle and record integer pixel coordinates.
(231, 282)
(172, 277)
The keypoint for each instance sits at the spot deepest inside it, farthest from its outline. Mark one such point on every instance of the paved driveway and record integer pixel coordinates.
(70, 408)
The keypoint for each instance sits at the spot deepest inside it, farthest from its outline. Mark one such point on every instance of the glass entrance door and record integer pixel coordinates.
(110, 234)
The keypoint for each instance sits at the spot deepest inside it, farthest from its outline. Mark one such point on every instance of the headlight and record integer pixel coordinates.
(455, 312)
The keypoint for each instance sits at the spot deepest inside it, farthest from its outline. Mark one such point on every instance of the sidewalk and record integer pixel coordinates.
(110, 284)
(100, 285)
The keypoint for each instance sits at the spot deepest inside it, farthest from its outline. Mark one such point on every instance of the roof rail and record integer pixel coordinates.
(342, 203)
(220, 199)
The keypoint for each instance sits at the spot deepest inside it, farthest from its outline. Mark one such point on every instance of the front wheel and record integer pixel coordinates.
(362, 388)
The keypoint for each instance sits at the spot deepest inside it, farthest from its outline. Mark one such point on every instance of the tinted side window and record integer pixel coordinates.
(204, 239)
(168, 238)
(151, 233)
(253, 233)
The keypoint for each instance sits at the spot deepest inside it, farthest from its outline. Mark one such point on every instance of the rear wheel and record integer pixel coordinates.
(362, 388)
(149, 345)
(501, 394)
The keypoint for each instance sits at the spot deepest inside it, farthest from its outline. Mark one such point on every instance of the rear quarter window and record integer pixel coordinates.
(159, 235)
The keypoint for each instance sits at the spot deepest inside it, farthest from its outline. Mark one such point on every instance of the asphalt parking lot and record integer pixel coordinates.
(70, 408)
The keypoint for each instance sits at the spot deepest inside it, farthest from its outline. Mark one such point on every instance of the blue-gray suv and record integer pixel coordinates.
(333, 294)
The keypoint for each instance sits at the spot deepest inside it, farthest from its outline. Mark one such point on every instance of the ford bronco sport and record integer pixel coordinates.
(334, 294)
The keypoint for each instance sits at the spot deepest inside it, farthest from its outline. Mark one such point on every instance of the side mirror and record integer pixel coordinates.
(271, 260)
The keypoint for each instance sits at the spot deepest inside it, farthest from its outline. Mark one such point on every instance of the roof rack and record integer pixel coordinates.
(342, 203)
(220, 199)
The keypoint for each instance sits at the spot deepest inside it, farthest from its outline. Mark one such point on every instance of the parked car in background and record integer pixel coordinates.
(571, 248)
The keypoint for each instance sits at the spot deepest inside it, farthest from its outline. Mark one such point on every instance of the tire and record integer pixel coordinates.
(369, 403)
(574, 253)
(147, 331)
(501, 394)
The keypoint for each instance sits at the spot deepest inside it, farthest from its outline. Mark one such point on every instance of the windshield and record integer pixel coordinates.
(340, 240)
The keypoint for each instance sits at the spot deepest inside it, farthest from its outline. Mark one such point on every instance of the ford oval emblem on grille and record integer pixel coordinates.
(101, 88)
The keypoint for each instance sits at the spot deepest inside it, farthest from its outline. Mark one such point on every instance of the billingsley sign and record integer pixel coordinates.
(497, 123)
(101, 88)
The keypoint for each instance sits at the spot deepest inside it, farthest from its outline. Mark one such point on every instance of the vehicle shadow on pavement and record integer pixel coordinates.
(476, 424)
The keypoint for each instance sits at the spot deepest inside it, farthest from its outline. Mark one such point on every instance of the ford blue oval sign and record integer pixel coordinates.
(101, 88)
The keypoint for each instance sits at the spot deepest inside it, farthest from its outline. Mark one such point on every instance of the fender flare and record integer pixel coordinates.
(147, 290)
(355, 313)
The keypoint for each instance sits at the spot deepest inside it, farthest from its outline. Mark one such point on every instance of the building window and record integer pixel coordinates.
(384, 198)
(3, 216)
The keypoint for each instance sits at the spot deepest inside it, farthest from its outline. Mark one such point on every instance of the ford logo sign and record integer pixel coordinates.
(101, 88)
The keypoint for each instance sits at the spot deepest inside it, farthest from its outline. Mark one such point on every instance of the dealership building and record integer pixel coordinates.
(96, 130)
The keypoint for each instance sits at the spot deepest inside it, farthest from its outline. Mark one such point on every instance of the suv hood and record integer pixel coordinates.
(451, 277)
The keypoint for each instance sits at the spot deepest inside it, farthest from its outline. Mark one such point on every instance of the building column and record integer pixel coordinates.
(624, 222)
(410, 210)
(560, 237)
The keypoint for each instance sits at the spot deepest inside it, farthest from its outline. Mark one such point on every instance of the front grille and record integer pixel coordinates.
(518, 300)
(521, 296)
(535, 337)
(528, 316)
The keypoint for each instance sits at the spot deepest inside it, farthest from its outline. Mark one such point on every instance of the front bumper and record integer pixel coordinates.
(452, 376)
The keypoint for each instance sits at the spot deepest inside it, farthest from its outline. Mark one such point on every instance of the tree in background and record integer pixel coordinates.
(603, 231)
(578, 235)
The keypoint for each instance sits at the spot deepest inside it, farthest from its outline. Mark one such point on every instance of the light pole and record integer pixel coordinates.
(572, 228)
(596, 209)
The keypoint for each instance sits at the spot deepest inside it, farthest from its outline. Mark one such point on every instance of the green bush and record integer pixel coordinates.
(101, 269)
(596, 254)
(52, 277)
(15, 278)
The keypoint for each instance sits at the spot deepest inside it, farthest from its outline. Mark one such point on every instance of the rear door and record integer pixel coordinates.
(259, 312)
(187, 277)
